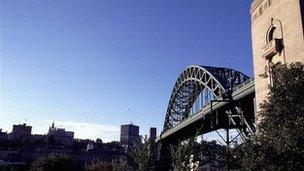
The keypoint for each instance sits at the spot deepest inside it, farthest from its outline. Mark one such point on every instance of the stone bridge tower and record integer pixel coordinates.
(277, 36)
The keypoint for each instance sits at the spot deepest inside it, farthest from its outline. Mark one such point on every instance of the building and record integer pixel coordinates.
(39, 137)
(3, 135)
(90, 146)
(129, 135)
(152, 132)
(152, 137)
(21, 132)
(61, 136)
(277, 36)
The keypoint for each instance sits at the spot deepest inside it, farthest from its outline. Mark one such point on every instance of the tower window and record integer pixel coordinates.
(272, 34)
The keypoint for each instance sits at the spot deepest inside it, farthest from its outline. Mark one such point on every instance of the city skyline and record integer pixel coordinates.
(96, 65)
(60, 127)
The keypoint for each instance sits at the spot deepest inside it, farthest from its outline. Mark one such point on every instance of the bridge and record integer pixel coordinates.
(205, 99)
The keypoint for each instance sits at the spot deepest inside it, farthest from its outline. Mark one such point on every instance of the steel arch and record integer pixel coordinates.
(193, 80)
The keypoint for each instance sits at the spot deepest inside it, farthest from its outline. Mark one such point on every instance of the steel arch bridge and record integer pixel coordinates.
(190, 111)
(211, 82)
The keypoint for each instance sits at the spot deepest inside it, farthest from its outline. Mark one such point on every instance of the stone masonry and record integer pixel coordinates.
(277, 36)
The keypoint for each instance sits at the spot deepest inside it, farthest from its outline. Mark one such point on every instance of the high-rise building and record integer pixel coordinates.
(152, 136)
(129, 135)
(277, 36)
(21, 132)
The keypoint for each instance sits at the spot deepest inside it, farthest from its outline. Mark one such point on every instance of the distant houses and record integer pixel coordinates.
(21, 148)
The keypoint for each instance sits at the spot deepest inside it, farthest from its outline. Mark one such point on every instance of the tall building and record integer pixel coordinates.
(129, 135)
(277, 36)
(21, 132)
(61, 136)
(152, 136)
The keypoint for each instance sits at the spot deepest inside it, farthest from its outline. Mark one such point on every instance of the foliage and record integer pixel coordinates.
(179, 156)
(6, 144)
(54, 162)
(284, 109)
(141, 156)
(190, 154)
(279, 143)
(114, 165)
(184, 154)
(10, 168)
(51, 142)
(210, 151)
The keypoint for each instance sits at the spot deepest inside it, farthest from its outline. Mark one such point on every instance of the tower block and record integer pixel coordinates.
(277, 36)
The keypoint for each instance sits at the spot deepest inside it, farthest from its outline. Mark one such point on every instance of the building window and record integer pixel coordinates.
(272, 34)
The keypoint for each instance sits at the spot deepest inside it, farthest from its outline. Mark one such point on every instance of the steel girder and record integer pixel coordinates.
(191, 82)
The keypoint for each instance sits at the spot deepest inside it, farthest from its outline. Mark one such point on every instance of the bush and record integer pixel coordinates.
(54, 162)
(114, 165)
(280, 138)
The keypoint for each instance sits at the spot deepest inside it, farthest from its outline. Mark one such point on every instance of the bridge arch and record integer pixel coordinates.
(194, 80)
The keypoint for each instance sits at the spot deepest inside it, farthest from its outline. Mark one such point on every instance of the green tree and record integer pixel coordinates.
(51, 142)
(210, 151)
(280, 138)
(114, 165)
(179, 157)
(54, 162)
(184, 154)
(141, 156)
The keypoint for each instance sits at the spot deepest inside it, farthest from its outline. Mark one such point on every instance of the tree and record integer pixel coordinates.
(54, 162)
(51, 142)
(179, 156)
(191, 154)
(185, 155)
(210, 151)
(280, 138)
(100, 166)
(141, 156)
(114, 165)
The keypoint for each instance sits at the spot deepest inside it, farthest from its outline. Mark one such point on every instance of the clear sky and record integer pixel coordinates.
(93, 65)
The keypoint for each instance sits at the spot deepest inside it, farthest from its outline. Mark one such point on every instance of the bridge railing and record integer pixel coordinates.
(243, 84)
(207, 104)
(234, 89)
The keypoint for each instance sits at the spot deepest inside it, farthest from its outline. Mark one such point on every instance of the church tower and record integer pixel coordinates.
(277, 36)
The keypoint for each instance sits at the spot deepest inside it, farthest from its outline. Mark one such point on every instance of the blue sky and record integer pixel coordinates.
(107, 63)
